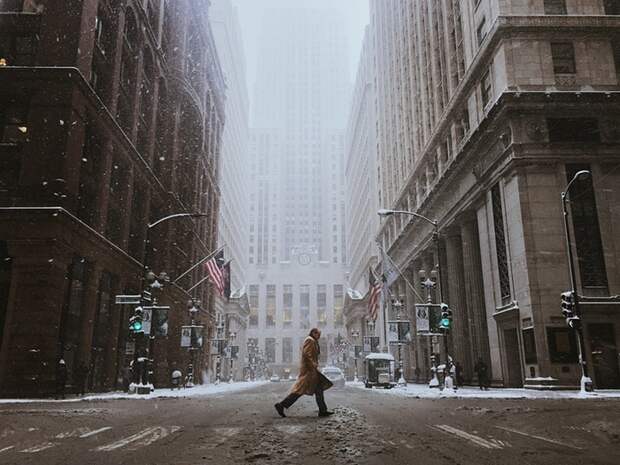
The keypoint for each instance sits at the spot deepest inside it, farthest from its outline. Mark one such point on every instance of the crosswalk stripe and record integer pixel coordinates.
(38, 448)
(97, 431)
(540, 438)
(123, 442)
(158, 433)
(6, 449)
(141, 439)
(469, 437)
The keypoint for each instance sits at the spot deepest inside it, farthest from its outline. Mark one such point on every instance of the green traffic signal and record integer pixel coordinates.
(136, 326)
(445, 323)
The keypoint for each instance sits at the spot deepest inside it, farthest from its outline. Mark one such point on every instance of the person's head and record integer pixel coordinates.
(315, 333)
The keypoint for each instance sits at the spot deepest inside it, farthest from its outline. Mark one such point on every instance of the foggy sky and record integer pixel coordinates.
(251, 11)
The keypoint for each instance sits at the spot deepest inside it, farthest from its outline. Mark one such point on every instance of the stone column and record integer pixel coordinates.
(460, 342)
(474, 290)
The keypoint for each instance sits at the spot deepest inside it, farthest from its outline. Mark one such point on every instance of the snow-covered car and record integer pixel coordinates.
(335, 375)
(274, 379)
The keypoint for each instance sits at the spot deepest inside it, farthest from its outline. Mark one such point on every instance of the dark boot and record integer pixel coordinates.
(280, 409)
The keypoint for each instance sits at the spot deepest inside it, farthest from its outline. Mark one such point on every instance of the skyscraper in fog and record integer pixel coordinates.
(297, 244)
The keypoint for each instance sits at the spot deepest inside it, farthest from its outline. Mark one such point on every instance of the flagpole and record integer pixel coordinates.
(403, 276)
(193, 267)
(197, 284)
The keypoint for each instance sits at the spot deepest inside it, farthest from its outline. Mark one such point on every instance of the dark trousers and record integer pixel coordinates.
(320, 400)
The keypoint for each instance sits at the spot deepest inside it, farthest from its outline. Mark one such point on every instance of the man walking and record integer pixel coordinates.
(482, 370)
(310, 380)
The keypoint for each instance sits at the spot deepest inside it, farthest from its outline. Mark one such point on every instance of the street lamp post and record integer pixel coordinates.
(231, 338)
(586, 381)
(385, 213)
(150, 280)
(401, 379)
(355, 334)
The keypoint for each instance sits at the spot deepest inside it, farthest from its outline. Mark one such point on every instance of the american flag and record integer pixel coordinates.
(216, 274)
(374, 290)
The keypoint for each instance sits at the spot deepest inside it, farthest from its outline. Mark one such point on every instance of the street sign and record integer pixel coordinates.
(158, 320)
(127, 299)
(371, 344)
(130, 348)
(147, 319)
(427, 317)
(191, 336)
(399, 332)
(358, 351)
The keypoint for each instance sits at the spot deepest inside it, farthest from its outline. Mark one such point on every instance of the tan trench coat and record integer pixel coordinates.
(310, 378)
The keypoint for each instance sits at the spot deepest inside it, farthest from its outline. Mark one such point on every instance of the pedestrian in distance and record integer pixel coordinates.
(310, 380)
(482, 371)
(458, 374)
(61, 379)
(80, 377)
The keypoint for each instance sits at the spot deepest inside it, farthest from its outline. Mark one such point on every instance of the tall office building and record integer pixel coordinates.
(233, 182)
(486, 109)
(297, 248)
(233, 172)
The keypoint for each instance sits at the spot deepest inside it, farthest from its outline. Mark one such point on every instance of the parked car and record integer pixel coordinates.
(335, 375)
(274, 379)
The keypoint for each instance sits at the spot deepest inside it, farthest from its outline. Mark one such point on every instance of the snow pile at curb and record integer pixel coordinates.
(197, 391)
(422, 391)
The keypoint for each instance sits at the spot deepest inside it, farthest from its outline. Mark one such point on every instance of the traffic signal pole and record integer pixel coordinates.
(586, 381)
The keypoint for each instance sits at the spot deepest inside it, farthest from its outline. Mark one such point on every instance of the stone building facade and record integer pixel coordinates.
(485, 111)
(111, 117)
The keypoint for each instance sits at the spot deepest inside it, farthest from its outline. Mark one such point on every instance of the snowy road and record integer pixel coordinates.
(369, 427)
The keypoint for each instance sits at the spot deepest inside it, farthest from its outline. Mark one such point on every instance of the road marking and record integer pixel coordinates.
(97, 431)
(469, 437)
(141, 439)
(38, 448)
(159, 432)
(73, 433)
(123, 442)
(6, 449)
(541, 438)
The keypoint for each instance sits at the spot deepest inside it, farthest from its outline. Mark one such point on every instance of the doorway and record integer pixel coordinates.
(514, 376)
(604, 355)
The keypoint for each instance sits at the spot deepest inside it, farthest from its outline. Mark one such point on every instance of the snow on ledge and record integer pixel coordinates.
(422, 391)
(199, 390)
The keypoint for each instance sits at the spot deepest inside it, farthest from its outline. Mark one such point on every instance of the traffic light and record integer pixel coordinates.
(445, 323)
(568, 310)
(135, 322)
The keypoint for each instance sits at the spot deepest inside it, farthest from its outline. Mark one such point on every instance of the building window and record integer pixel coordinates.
(338, 305)
(253, 297)
(481, 31)
(13, 123)
(270, 305)
(612, 7)
(562, 345)
(321, 296)
(555, 7)
(529, 346)
(486, 89)
(11, 6)
(589, 245)
(270, 350)
(615, 45)
(500, 245)
(304, 305)
(563, 55)
(573, 130)
(287, 350)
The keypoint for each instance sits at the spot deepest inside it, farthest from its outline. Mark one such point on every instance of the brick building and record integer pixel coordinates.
(485, 111)
(111, 115)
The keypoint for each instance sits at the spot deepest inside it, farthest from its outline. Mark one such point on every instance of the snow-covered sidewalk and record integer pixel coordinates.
(200, 390)
(422, 391)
